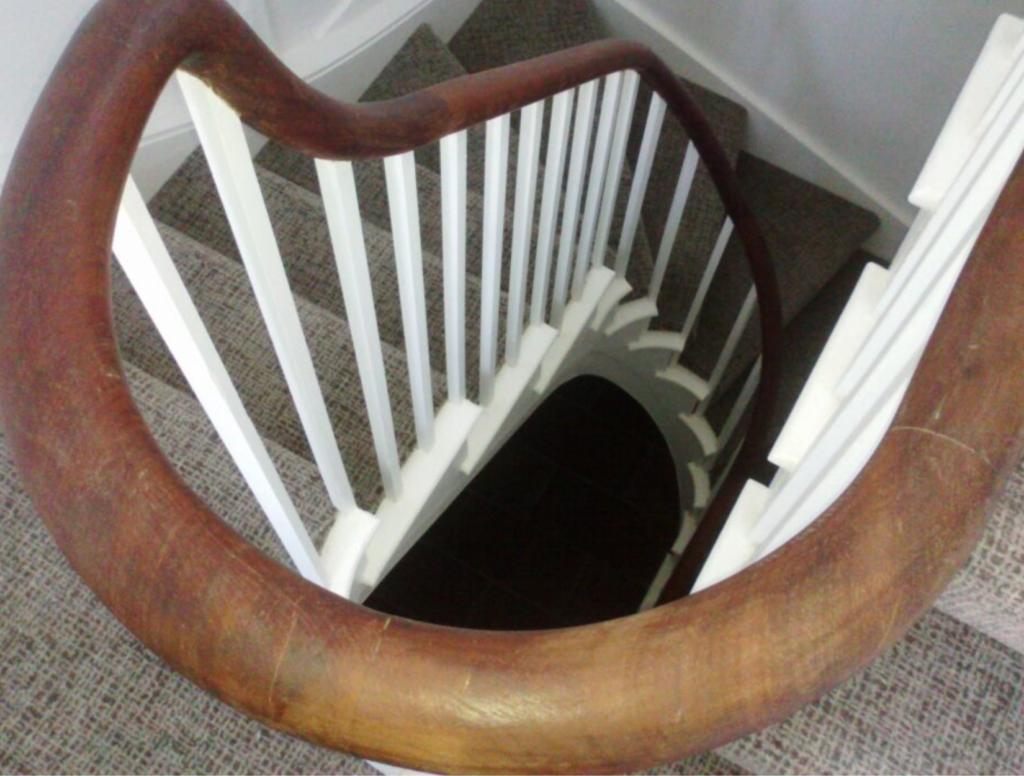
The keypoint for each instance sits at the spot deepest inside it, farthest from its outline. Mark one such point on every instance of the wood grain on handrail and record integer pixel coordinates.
(603, 698)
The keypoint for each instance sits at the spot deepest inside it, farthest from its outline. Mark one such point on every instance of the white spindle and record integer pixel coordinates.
(729, 349)
(554, 168)
(495, 178)
(616, 158)
(145, 260)
(740, 407)
(338, 188)
(220, 132)
(400, 173)
(571, 212)
(675, 217)
(598, 168)
(641, 177)
(453, 216)
(705, 282)
(531, 120)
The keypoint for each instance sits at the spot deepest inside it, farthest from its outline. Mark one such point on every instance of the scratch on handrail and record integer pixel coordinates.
(947, 438)
(280, 661)
(380, 639)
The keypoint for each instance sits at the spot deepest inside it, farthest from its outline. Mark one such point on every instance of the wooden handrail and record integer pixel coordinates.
(603, 698)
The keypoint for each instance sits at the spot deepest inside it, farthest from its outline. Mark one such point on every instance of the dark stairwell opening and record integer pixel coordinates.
(566, 525)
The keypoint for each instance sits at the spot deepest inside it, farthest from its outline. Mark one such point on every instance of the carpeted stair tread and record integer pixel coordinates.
(944, 699)
(191, 204)
(989, 593)
(80, 693)
(541, 27)
(223, 295)
(811, 234)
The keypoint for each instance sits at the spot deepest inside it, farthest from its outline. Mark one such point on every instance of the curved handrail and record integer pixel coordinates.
(609, 697)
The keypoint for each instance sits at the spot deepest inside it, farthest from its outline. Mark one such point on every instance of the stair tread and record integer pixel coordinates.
(989, 593)
(944, 699)
(125, 710)
(191, 204)
(811, 234)
(223, 295)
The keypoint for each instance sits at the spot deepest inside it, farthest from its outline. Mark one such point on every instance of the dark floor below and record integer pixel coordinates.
(567, 525)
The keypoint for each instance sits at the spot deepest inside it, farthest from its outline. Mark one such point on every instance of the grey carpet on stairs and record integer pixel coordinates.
(78, 693)
(223, 295)
(944, 700)
(989, 593)
(704, 215)
(811, 235)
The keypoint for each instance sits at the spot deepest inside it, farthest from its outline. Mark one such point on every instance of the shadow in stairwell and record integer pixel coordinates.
(567, 525)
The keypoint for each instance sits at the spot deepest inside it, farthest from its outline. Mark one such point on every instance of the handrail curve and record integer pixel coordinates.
(610, 697)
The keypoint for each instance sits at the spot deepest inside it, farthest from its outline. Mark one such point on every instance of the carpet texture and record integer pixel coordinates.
(945, 699)
(810, 233)
(989, 593)
(78, 693)
(224, 298)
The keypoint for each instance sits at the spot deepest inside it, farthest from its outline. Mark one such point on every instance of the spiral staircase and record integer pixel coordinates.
(352, 414)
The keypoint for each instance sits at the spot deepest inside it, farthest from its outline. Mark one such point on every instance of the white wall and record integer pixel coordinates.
(337, 45)
(848, 93)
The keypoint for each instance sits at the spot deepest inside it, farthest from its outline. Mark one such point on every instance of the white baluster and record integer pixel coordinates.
(554, 168)
(531, 120)
(705, 282)
(641, 177)
(453, 217)
(616, 158)
(571, 212)
(495, 178)
(220, 132)
(740, 407)
(338, 188)
(400, 173)
(675, 217)
(145, 260)
(729, 349)
(598, 168)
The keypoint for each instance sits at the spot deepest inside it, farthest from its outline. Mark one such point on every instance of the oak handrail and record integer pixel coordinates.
(609, 697)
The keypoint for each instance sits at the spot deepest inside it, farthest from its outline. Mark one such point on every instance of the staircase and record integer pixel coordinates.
(78, 693)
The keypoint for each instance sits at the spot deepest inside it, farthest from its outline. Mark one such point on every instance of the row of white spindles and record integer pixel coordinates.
(583, 165)
(867, 390)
